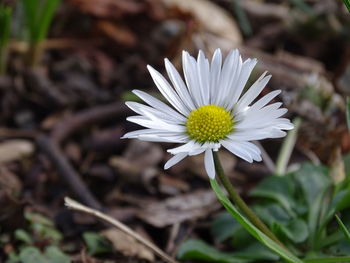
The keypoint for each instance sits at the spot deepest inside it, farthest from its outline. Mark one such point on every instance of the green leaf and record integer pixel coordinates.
(96, 244)
(31, 255)
(341, 248)
(278, 189)
(343, 228)
(271, 213)
(314, 183)
(224, 226)
(199, 250)
(295, 230)
(55, 255)
(23, 236)
(37, 218)
(260, 236)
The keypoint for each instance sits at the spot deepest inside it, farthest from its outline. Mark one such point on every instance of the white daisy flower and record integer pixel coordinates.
(208, 110)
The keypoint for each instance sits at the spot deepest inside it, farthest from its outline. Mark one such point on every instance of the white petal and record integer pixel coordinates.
(170, 139)
(174, 160)
(230, 71)
(249, 134)
(203, 74)
(179, 85)
(187, 148)
(238, 86)
(167, 91)
(237, 150)
(254, 91)
(215, 71)
(148, 111)
(264, 100)
(191, 76)
(209, 163)
(157, 104)
(145, 122)
(252, 149)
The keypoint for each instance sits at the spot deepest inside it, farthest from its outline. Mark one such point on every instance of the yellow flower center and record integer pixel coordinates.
(209, 123)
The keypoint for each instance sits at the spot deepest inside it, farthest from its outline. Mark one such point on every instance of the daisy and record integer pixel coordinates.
(209, 110)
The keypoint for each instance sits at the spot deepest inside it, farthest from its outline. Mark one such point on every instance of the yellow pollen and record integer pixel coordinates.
(209, 123)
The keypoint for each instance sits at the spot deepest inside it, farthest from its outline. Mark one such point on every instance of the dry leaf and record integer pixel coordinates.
(15, 149)
(222, 25)
(180, 208)
(127, 245)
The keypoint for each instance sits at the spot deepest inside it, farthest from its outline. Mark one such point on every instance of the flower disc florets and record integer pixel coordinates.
(209, 123)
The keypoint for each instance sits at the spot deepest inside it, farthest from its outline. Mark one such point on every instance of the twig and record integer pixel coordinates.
(88, 117)
(72, 204)
(70, 176)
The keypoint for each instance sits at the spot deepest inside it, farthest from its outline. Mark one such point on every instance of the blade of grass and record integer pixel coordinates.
(46, 18)
(39, 15)
(343, 228)
(328, 260)
(260, 236)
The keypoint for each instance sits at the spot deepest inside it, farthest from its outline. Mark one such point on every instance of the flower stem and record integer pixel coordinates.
(239, 201)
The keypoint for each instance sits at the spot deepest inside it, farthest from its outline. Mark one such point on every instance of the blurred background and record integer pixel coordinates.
(68, 66)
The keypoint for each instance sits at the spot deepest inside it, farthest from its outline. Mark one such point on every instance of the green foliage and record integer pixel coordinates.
(261, 237)
(96, 244)
(52, 254)
(196, 249)
(39, 15)
(299, 208)
(40, 230)
(43, 228)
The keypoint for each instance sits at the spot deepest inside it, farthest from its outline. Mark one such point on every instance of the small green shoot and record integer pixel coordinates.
(5, 23)
(39, 15)
(242, 18)
(347, 4)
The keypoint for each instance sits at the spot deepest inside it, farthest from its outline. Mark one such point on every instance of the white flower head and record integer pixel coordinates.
(208, 110)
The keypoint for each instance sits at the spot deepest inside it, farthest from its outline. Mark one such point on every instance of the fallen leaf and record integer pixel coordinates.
(127, 245)
(13, 150)
(180, 208)
(223, 25)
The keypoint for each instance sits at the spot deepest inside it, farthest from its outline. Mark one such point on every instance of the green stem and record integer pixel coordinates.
(287, 148)
(235, 197)
(3, 60)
